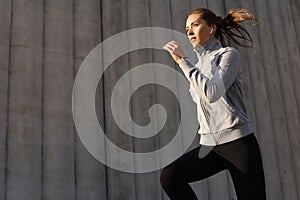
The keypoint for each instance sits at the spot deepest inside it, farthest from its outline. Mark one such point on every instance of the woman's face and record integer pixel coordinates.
(198, 31)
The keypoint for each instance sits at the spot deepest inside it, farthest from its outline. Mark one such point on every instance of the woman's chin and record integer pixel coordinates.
(196, 45)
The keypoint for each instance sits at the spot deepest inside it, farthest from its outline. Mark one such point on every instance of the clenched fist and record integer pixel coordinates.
(175, 50)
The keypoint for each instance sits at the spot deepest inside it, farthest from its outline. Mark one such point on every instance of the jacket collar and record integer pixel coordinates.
(211, 45)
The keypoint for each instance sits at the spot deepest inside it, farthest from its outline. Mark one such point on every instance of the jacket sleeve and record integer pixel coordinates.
(227, 71)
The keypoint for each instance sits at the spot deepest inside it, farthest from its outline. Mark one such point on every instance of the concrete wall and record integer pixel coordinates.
(42, 45)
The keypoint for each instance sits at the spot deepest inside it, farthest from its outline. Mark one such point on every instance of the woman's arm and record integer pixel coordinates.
(227, 71)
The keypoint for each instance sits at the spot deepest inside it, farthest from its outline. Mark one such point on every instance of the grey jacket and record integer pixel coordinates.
(216, 87)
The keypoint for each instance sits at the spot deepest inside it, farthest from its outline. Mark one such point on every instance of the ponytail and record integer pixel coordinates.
(229, 30)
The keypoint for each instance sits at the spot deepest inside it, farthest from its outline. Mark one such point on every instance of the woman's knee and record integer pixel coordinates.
(168, 177)
(165, 177)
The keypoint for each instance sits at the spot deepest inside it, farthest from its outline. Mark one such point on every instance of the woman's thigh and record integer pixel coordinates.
(243, 160)
(189, 167)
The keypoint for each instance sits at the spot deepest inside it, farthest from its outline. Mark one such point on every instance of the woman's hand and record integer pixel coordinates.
(175, 50)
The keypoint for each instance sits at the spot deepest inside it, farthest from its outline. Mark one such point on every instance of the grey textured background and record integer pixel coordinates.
(42, 44)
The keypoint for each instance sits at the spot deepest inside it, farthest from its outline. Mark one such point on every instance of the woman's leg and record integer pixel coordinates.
(186, 169)
(244, 162)
(241, 157)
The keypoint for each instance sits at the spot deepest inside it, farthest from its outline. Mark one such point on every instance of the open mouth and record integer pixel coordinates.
(193, 39)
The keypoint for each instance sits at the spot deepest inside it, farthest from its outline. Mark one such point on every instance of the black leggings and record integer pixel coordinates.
(241, 157)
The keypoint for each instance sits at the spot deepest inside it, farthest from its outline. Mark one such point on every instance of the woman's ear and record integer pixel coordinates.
(213, 29)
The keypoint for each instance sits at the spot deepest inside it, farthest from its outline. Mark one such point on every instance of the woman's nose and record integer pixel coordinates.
(190, 32)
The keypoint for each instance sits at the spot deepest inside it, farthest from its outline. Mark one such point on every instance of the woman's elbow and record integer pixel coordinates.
(213, 94)
(212, 98)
